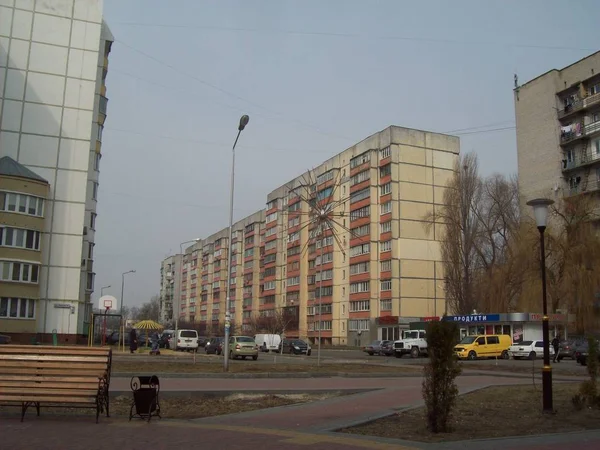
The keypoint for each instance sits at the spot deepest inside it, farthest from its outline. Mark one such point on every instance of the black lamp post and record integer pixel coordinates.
(540, 212)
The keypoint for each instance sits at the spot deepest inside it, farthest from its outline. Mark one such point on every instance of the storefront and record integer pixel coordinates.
(520, 326)
(390, 327)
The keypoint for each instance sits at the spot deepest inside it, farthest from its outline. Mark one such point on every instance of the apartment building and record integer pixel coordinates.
(53, 67)
(558, 132)
(170, 287)
(347, 247)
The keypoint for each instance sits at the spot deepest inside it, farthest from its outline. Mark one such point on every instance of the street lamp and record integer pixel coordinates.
(540, 212)
(243, 122)
(123, 302)
(102, 290)
(178, 302)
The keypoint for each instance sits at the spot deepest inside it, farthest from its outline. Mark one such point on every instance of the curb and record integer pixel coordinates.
(225, 393)
(264, 375)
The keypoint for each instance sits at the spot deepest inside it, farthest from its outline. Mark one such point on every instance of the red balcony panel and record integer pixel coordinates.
(359, 186)
(386, 179)
(360, 168)
(360, 258)
(385, 198)
(360, 277)
(359, 315)
(360, 221)
(360, 296)
(385, 294)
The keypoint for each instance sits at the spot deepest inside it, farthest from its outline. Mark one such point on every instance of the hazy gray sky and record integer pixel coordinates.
(315, 77)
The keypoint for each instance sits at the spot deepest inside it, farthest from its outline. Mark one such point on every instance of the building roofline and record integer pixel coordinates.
(557, 70)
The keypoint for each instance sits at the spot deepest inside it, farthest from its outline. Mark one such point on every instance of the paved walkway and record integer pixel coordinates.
(290, 427)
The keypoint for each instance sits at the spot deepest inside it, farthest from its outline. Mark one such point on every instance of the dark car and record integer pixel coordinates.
(202, 341)
(581, 353)
(214, 346)
(294, 347)
(387, 348)
(567, 349)
(164, 339)
(5, 339)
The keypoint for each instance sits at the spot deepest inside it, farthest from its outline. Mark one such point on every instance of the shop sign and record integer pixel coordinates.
(473, 318)
(536, 317)
(388, 320)
(430, 319)
(62, 305)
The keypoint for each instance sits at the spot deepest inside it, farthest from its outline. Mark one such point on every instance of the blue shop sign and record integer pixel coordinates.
(474, 318)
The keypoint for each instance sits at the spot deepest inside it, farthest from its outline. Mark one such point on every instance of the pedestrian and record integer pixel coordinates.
(556, 345)
(133, 343)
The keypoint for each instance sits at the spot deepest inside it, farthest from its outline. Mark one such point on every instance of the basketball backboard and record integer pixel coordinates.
(107, 302)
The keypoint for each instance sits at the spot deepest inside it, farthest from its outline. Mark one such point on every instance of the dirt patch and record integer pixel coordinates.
(193, 408)
(173, 366)
(562, 369)
(493, 412)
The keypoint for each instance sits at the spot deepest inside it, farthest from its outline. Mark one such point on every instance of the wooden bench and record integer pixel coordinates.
(47, 376)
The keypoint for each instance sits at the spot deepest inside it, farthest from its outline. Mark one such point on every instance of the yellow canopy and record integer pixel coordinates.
(148, 325)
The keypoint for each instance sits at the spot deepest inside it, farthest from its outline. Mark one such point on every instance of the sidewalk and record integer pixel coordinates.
(289, 427)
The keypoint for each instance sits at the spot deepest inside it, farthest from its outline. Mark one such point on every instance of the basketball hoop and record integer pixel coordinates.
(107, 303)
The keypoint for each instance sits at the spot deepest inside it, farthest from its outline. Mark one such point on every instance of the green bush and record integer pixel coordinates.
(439, 387)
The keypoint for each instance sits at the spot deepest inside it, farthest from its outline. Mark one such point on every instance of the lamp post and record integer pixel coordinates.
(540, 212)
(123, 302)
(243, 122)
(178, 303)
(106, 287)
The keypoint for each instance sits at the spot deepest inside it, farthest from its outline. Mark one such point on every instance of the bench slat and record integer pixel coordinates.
(58, 379)
(17, 357)
(48, 399)
(36, 350)
(32, 391)
(53, 364)
(52, 371)
(47, 384)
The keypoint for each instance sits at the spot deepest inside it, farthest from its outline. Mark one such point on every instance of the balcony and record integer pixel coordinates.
(583, 188)
(578, 130)
(581, 160)
(579, 105)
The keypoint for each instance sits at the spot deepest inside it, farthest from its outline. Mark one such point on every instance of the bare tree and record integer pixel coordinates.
(150, 310)
(277, 323)
(462, 228)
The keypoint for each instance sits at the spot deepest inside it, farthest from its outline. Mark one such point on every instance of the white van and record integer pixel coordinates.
(185, 340)
(267, 342)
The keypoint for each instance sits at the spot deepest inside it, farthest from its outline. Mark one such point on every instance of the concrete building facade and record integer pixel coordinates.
(53, 66)
(376, 262)
(558, 132)
(170, 288)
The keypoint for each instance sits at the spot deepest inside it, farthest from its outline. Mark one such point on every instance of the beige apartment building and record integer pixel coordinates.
(371, 265)
(558, 132)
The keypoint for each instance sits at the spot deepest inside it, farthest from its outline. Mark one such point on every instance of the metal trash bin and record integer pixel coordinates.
(145, 397)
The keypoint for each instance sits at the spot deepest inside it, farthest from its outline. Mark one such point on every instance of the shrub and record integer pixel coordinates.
(439, 387)
(588, 390)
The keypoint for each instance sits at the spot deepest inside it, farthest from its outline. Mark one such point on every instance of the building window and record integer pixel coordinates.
(272, 204)
(22, 203)
(386, 285)
(19, 272)
(271, 217)
(17, 308)
(97, 159)
(249, 228)
(90, 281)
(385, 189)
(365, 211)
(362, 267)
(294, 221)
(386, 208)
(250, 252)
(385, 304)
(385, 171)
(358, 325)
(385, 152)
(385, 227)
(20, 238)
(327, 258)
(293, 250)
(363, 286)
(385, 246)
(361, 305)
(293, 237)
(360, 177)
(325, 274)
(325, 242)
(360, 159)
(268, 246)
(269, 285)
(327, 176)
(360, 195)
(363, 230)
(93, 220)
(293, 281)
(361, 249)
(385, 266)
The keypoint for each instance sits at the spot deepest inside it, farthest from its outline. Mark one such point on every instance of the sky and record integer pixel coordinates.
(315, 77)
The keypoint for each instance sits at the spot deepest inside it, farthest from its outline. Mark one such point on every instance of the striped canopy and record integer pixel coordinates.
(148, 325)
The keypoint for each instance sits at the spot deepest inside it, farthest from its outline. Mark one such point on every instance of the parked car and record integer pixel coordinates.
(185, 340)
(202, 341)
(242, 346)
(567, 349)
(529, 350)
(267, 342)
(490, 346)
(387, 348)
(582, 353)
(165, 339)
(294, 347)
(373, 348)
(4, 339)
(214, 346)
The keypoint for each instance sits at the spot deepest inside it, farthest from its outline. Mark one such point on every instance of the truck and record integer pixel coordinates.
(413, 343)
